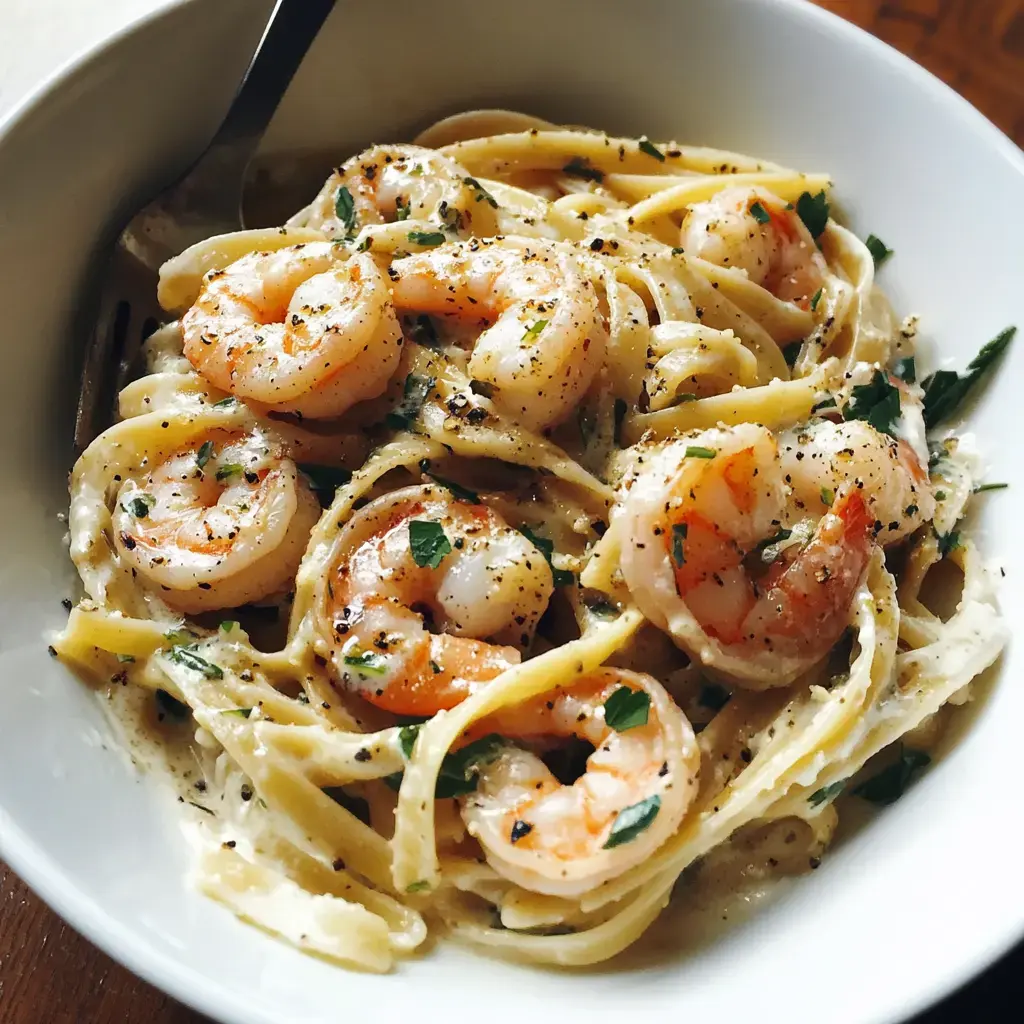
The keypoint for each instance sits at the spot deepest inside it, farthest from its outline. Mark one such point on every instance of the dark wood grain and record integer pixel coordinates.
(51, 975)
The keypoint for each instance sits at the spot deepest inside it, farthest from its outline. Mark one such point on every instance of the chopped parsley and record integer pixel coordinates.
(367, 663)
(578, 167)
(826, 793)
(813, 211)
(414, 395)
(204, 454)
(407, 739)
(421, 886)
(646, 146)
(402, 211)
(428, 239)
(696, 451)
(457, 491)
(678, 536)
(825, 403)
(238, 712)
(982, 488)
(561, 577)
(325, 480)
(428, 543)
(533, 330)
(880, 252)
(627, 709)
(905, 369)
(828, 496)
(230, 400)
(877, 402)
(226, 472)
(633, 820)
(345, 208)
(482, 195)
(138, 506)
(815, 299)
(761, 215)
(769, 548)
(460, 770)
(186, 655)
(948, 542)
(891, 783)
(944, 390)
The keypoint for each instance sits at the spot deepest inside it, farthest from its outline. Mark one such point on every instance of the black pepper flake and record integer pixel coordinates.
(363, 754)
(520, 830)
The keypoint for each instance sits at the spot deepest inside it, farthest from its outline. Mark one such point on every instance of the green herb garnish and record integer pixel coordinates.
(414, 395)
(533, 330)
(948, 542)
(204, 454)
(402, 211)
(228, 471)
(138, 506)
(696, 451)
(944, 390)
(482, 195)
(982, 488)
(761, 215)
(325, 480)
(345, 208)
(561, 577)
(880, 252)
(422, 330)
(646, 146)
(367, 663)
(826, 793)
(891, 783)
(230, 400)
(428, 543)
(429, 239)
(407, 739)
(421, 886)
(578, 167)
(825, 403)
(813, 211)
(228, 625)
(238, 712)
(627, 709)
(185, 655)
(828, 496)
(633, 820)
(877, 402)
(815, 299)
(905, 369)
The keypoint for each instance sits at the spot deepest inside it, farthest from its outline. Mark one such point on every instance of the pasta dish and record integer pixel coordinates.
(537, 527)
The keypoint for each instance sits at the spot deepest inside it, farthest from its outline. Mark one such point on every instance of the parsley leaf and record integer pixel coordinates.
(815, 299)
(533, 330)
(429, 239)
(890, 783)
(626, 709)
(678, 536)
(826, 793)
(185, 655)
(428, 543)
(402, 211)
(578, 167)
(982, 488)
(325, 480)
(138, 506)
(482, 195)
(633, 820)
(880, 252)
(948, 542)
(226, 472)
(646, 146)
(828, 496)
(459, 492)
(414, 394)
(407, 739)
(762, 216)
(877, 402)
(230, 400)
(905, 369)
(460, 770)
(204, 454)
(345, 208)
(367, 663)
(946, 389)
(562, 577)
(813, 211)
(696, 451)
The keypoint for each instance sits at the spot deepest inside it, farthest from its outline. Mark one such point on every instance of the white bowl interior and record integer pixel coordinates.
(894, 917)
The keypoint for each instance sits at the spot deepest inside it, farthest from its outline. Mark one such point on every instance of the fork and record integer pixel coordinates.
(205, 201)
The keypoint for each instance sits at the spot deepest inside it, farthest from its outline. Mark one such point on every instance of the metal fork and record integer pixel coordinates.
(205, 201)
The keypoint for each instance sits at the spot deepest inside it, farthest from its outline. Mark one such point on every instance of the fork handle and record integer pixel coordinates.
(214, 182)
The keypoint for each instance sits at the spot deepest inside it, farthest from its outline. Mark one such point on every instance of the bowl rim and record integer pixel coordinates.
(203, 993)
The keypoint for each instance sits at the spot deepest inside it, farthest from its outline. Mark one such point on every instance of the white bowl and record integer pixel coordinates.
(898, 914)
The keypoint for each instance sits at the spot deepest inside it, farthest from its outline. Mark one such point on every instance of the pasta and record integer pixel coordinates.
(538, 524)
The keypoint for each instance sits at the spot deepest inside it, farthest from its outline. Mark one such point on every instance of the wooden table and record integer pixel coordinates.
(50, 975)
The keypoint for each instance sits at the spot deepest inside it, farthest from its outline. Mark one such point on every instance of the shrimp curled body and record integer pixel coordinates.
(564, 840)
(482, 592)
(707, 557)
(296, 330)
(217, 525)
(544, 334)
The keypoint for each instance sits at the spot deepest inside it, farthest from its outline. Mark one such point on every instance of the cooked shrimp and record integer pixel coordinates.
(418, 560)
(546, 335)
(777, 253)
(217, 524)
(697, 521)
(389, 183)
(821, 459)
(296, 330)
(565, 840)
